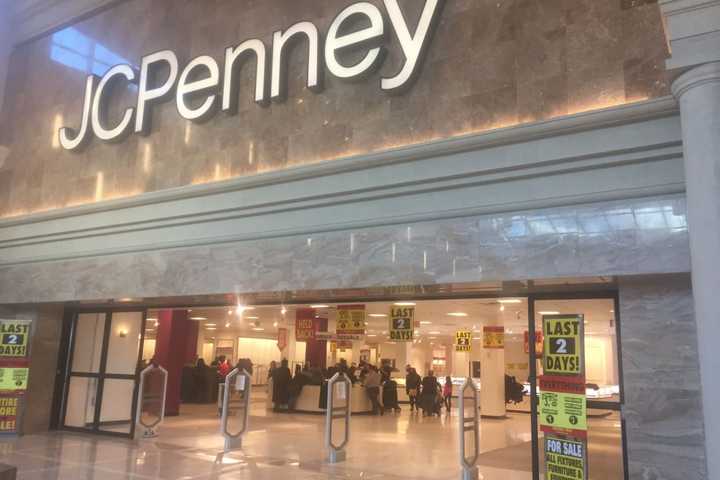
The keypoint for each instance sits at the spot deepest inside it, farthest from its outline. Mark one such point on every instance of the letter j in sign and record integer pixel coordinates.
(564, 345)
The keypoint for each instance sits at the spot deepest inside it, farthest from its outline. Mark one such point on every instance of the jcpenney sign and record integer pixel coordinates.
(201, 88)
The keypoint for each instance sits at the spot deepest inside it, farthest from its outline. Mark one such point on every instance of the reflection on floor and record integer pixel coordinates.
(393, 447)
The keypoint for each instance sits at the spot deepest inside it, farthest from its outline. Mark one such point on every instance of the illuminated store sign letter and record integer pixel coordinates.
(101, 100)
(370, 36)
(69, 138)
(148, 96)
(205, 86)
(282, 42)
(415, 46)
(234, 59)
(201, 87)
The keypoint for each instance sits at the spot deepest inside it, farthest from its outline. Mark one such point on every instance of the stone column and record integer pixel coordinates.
(698, 92)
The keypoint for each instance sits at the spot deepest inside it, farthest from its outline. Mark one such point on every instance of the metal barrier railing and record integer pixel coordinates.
(152, 392)
(236, 408)
(469, 425)
(341, 385)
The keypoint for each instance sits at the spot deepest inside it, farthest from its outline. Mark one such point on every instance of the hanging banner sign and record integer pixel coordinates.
(305, 329)
(463, 341)
(565, 459)
(563, 406)
(564, 345)
(402, 324)
(493, 337)
(9, 413)
(282, 341)
(334, 337)
(539, 343)
(14, 336)
(350, 320)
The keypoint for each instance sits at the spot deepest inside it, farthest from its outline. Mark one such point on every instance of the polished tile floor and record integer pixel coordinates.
(401, 446)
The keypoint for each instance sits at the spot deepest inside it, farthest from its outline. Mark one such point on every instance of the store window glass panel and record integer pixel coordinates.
(87, 351)
(116, 408)
(605, 451)
(124, 343)
(80, 407)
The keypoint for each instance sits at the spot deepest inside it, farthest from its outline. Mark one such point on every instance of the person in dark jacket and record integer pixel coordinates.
(429, 395)
(281, 386)
(412, 387)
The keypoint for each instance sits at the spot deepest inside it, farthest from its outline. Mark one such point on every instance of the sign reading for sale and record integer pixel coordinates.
(14, 335)
(463, 341)
(402, 324)
(565, 459)
(350, 320)
(564, 349)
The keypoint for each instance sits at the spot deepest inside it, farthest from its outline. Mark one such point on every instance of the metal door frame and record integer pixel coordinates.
(102, 374)
(613, 295)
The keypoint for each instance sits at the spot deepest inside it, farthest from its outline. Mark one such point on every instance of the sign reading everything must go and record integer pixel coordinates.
(202, 81)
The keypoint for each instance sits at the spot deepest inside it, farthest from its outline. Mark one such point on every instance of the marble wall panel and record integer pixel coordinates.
(626, 237)
(663, 404)
(492, 63)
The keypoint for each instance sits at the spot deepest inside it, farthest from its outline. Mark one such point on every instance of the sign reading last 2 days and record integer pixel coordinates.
(563, 345)
(402, 324)
(14, 335)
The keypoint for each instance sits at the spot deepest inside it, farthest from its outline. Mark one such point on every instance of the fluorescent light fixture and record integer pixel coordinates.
(319, 306)
(477, 338)
(371, 335)
(211, 328)
(211, 325)
(425, 322)
(259, 329)
(457, 314)
(434, 333)
(198, 318)
(509, 300)
(405, 304)
(377, 315)
(549, 313)
(152, 319)
(433, 338)
(252, 318)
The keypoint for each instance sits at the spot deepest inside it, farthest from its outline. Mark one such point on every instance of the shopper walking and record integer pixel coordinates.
(447, 393)
(281, 386)
(372, 389)
(429, 395)
(412, 387)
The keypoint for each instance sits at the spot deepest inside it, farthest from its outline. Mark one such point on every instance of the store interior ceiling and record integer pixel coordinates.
(435, 319)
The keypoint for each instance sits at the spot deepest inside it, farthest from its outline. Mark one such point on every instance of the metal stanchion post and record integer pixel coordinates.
(344, 385)
(469, 457)
(150, 402)
(239, 383)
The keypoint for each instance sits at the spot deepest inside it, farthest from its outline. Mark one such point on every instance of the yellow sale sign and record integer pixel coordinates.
(564, 348)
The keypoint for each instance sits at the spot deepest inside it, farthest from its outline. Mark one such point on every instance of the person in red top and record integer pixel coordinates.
(223, 367)
(447, 392)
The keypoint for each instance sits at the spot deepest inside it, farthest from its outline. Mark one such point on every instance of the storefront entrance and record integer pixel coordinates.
(109, 347)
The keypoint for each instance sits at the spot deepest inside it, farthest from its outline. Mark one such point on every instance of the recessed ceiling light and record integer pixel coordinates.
(275, 324)
(319, 306)
(549, 313)
(457, 314)
(509, 300)
(230, 312)
(425, 322)
(198, 318)
(227, 325)
(405, 304)
(377, 315)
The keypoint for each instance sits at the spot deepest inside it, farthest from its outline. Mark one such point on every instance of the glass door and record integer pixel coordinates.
(102, 379)
(603, 380)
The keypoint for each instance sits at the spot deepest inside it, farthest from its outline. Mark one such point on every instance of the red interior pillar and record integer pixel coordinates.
(171, 352)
